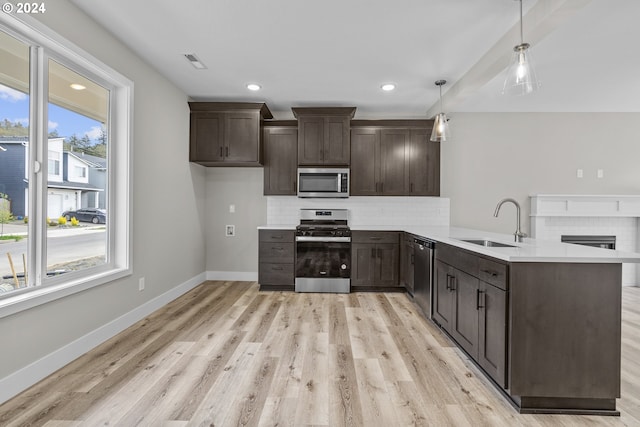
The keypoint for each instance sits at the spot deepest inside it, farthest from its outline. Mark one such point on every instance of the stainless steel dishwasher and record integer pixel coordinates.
(424, 253)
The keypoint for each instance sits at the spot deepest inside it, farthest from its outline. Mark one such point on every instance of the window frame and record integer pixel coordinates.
(45, 44)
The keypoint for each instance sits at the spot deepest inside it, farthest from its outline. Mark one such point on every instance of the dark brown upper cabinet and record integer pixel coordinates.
(323, 136)
(227, 133)
(394, 158)
(280, 158)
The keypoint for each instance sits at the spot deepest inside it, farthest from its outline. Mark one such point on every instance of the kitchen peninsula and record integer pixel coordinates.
(542, 319)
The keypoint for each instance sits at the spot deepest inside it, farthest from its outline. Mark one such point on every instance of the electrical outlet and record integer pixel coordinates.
(229, 230)
(232, 208)
(579, 173)
(600, 173)
(141, 284)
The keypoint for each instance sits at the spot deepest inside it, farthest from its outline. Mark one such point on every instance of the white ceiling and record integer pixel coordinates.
(339, 52)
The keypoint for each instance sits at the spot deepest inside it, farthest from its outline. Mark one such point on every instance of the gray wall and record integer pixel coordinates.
(168, 206)
(497, 155)
(243, 188)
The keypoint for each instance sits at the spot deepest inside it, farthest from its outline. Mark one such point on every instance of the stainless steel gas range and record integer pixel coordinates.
(323, 251)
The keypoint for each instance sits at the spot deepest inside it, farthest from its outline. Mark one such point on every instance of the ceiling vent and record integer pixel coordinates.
(195, 61)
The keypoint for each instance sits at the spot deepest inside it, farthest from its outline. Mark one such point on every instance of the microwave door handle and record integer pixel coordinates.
(339, 183)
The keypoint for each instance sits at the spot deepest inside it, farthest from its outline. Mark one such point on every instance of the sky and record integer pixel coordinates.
(14, 106)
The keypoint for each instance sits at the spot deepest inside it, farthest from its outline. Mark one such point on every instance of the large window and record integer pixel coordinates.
(64, 167)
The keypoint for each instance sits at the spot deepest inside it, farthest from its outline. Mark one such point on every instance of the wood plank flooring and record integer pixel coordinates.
(226, 354)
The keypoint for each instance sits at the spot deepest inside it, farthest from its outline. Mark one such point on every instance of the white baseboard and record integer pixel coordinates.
(240, 276)
(24, 378)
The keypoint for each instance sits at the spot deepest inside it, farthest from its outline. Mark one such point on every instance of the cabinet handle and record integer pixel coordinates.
(276, 268)
(413, 259)
(411, 188)
(449, 277)
(278, 248)
(452, 288)
(375, 238)
(373, 252)
(227, 151)
(221, 155)
(277, 236)
(380, 254)
(491, 273)
(478, 294)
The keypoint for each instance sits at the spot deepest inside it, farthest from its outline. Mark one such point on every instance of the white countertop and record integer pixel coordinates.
(531, 250)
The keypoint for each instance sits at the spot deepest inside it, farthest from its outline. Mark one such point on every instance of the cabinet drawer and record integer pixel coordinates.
(275, 274)
(458, 258)
(276, 235)
(375, 237)
(277, 252)
(493, 272)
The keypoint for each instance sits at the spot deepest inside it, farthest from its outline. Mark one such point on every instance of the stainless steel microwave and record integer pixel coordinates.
(323, 182)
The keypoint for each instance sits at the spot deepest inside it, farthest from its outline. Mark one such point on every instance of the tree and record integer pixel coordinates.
(5, 218)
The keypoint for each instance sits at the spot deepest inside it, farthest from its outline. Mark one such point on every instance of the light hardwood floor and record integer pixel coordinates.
(226, 354)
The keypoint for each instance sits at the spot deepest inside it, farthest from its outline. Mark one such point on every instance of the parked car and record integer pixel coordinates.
(96, 216)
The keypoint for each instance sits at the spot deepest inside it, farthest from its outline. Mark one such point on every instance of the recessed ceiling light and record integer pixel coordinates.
(254, 86)
(77, 86)
(388, 87)
(195, 61)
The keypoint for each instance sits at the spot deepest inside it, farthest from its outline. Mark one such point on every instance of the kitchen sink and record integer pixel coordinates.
(488, 243)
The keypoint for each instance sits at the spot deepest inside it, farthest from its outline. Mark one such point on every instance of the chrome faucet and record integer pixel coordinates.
(519, 235)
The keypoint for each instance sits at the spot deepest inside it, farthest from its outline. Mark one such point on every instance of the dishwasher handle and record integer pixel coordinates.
(430, 244)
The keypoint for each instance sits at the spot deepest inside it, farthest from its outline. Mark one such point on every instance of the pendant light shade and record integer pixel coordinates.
(521, 78)
(440, 132)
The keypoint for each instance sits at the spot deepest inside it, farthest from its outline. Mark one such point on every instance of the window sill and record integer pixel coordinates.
(45, 294)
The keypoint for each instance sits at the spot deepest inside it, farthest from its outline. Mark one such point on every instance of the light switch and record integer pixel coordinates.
(600, 173)
(579, 173)
(232, 208)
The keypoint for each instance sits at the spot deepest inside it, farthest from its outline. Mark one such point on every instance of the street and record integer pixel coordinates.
(60, 248)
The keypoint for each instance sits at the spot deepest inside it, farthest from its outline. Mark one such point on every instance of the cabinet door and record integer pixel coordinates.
(387, 268)
(310, 140)
(406, 264)
(442, 295)
(465, 312)
(423, 164)
(206, 138)
(337, 147)
(365, 150)
(393, 177)
(492, 352)
(363, 261)
(242, 137)
(280, 161)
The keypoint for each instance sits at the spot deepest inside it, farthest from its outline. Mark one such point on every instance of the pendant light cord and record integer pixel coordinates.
(521, 25)
(441, 109)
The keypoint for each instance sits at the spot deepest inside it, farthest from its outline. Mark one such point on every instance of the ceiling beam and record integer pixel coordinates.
(541, 20)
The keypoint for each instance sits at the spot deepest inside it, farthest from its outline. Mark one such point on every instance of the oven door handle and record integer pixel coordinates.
(322, 239)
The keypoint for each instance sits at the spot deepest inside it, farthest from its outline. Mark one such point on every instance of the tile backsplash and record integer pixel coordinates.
(378, 210)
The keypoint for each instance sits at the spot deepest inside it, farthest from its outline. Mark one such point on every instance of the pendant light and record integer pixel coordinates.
(521, 77)
(440, 131)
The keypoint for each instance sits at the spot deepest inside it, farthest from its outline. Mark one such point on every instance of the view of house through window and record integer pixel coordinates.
(75, 205)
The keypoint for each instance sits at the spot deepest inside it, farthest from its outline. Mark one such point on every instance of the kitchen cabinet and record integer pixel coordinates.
(226, 133)
(324, 136)
(375, 259)
(470, 303)
(407, 253)
(276, 259)
(280, 159)
(394, 158)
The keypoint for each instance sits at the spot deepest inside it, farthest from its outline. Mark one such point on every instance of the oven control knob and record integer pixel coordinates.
(338, 233)
(343, 266)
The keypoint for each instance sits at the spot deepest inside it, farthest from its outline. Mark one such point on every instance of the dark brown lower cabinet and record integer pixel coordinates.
(472, 311)
(375, 259)
(548, 334)
(276, 259)
(407, 254)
